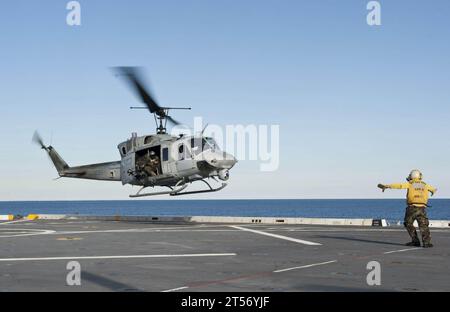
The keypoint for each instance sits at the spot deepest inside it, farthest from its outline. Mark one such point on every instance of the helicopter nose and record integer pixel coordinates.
(222, 160)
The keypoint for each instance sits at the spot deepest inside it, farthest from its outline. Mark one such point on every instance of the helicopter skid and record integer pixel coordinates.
(178, 190)
(171, 191)
(211, 189)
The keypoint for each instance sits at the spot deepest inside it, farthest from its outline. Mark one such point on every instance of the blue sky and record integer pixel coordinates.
(356, 105)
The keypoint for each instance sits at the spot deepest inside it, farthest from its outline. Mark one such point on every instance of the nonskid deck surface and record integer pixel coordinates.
(140, 256)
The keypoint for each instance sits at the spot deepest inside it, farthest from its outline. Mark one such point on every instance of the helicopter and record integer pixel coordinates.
(155, 160)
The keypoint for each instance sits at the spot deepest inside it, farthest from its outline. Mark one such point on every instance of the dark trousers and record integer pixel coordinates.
(419, 214)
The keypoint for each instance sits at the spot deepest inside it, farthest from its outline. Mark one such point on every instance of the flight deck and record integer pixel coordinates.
(195, 256)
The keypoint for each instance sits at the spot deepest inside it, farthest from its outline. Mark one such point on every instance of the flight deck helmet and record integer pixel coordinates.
(414, 175)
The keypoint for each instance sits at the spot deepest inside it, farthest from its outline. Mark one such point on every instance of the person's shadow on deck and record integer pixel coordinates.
(360, 240)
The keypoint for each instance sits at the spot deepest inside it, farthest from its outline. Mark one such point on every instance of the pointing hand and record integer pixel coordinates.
(382, 187)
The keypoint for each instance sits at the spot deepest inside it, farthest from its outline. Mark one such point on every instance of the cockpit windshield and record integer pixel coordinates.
(199, 145)
(212, 143)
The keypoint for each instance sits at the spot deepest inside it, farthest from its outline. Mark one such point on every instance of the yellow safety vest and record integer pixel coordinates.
(417, 194)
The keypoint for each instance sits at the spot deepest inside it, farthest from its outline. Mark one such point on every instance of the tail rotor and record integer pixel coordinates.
(37, 139)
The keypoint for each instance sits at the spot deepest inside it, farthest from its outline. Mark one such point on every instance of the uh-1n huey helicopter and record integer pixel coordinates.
(158, 159)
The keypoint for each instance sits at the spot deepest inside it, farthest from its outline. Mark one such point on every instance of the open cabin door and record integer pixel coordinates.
(127, 167)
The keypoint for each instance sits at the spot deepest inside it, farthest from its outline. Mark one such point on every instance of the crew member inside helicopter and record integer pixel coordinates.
(148, 164)
(153, 164)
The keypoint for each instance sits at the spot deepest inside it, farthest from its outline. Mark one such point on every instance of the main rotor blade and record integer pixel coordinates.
(176, 123)
(135, 81)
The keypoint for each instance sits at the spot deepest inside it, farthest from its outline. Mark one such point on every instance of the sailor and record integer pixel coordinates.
(152, 164)
(417, 201)
(140, 167)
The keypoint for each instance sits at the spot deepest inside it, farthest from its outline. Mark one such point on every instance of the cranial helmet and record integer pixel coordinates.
(414, 175)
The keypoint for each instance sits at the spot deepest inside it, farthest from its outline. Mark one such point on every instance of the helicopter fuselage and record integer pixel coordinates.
(156, 160)
(187, 158)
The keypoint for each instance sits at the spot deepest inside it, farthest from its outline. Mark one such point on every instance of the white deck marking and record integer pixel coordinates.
(295, 240)
(26, 232)
(138, 230)
(401, 250)
(134, 231)
(15, 221)
(175, 289)
(118, 257)
(304, 266)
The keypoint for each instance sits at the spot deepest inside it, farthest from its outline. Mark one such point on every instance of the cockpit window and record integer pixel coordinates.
(148, 139)
(183, 152)
(199, 145)
(212, 143)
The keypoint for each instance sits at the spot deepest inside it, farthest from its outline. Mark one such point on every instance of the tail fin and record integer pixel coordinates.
(57, 160)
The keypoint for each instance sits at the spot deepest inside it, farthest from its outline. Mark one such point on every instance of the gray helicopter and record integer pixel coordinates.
(158, 159)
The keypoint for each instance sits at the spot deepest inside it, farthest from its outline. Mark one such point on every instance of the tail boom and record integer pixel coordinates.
(108, 171)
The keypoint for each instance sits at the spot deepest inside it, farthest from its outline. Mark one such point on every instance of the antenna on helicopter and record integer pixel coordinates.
(161, 114)
(204, 128)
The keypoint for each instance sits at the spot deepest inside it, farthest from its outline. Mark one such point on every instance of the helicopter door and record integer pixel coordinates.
(184, 158)
(127, 166)
(166, 164)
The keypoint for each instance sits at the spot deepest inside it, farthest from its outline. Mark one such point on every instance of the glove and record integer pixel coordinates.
(382, 187)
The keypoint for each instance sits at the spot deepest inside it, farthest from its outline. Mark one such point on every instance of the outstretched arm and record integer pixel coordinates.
(397, 186)
(431, 189)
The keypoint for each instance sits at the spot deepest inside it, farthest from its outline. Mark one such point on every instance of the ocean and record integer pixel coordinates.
(390, 209)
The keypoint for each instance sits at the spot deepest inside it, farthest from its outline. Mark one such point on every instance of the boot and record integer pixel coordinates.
(427, 245)
(415, 243)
